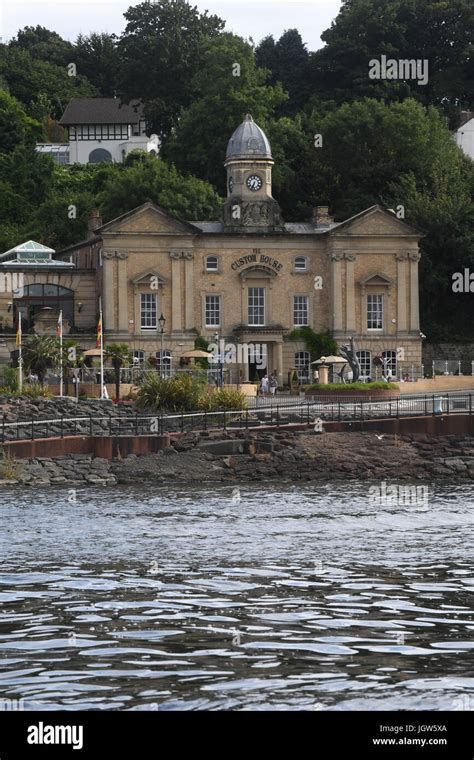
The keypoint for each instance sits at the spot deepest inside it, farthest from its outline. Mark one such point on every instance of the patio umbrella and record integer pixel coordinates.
(197, 354)
(330, 360)
(92, 352)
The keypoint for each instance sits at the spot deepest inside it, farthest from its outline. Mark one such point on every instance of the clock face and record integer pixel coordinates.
(231, 184)
(254, 182)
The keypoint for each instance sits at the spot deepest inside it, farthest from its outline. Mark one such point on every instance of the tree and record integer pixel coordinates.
(98, 59)
(288, 60)
(119, 354)
(27, 76)
(16, 127)
(40, 354)
(228, 86)
(439, 31)
(160, 50)
(151, 179)
(43, 44)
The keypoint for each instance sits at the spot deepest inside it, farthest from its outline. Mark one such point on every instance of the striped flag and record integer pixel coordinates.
(60, 325)
(99, 333)
(18, 332)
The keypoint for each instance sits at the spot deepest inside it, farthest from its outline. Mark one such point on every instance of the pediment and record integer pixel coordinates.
(376, 221)
(376, 278)
(149, 276)
(151, 219)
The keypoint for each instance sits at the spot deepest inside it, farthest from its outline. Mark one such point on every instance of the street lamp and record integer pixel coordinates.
(219, 360)
(162, 322)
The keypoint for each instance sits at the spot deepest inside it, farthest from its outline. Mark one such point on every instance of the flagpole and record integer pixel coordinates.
(61, 353)
(101, 351)
(20, 355)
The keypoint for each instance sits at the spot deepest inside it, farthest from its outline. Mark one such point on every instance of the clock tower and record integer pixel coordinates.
(250, 206)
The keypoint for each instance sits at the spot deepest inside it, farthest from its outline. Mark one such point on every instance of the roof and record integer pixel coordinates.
(465, 117)
(30, 247)
(248, 141)
(101, 111)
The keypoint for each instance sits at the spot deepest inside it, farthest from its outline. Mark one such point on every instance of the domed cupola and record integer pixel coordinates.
(250, 206)
(248, 141)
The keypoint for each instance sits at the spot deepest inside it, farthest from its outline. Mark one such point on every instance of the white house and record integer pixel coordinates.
(105, 129)
(464, 135)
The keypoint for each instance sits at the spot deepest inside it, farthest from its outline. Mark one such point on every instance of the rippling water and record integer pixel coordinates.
(275, 598)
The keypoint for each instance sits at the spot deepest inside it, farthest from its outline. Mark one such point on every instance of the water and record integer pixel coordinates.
(280, 597)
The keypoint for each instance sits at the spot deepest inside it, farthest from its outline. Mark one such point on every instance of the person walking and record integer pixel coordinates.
(264, 385)
(273, 383)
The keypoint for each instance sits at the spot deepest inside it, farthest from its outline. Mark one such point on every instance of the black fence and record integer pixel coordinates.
(303, 411)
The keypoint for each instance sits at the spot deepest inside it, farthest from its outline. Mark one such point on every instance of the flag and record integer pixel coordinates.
(18, 333)
(60, 325)
(99, 333)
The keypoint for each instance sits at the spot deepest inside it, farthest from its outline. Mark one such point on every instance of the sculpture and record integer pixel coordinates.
(349, 353)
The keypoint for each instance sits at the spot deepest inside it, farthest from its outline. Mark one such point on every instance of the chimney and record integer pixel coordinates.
(95, 221)
(321, 217)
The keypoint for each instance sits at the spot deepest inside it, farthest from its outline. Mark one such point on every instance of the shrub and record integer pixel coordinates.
(180, 393)
(338, 387)
(10, 378)
(223, 398)
(35, 390)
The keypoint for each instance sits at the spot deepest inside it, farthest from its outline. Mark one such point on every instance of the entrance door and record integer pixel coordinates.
(258, 361)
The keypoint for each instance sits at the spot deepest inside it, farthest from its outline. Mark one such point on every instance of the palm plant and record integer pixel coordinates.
(40, 353)
(119, 354)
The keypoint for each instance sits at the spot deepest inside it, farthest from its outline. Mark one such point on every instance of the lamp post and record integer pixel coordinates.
(162, 322)
(219, 360)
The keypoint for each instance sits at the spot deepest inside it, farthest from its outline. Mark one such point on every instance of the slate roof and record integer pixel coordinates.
(101, 111)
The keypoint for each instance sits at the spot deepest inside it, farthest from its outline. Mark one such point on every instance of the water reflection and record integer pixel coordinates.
(294, 598)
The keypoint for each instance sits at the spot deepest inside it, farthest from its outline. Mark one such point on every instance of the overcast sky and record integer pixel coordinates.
(248, 18)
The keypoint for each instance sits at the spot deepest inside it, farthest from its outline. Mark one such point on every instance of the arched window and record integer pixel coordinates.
(31, 299)
(164, 362)
(302, 359)
(98, 155)
(301, 264)
(365, 361)
(390, 363)
(138, 356)
(212, 264)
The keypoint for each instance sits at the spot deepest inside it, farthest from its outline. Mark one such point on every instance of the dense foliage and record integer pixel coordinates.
(383, 141)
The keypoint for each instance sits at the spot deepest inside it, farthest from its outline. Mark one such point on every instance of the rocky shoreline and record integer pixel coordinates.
(216, 457)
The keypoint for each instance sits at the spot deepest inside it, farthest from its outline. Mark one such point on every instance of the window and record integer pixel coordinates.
(138, 356)
(148, 320)
(256, 303)
(374, 312)
(301, 264)
(302, 360)
(213, 311)
(390, 363)
(300, 310)
(164, 362)
(212, 264)
(365, 361)
(98, 155)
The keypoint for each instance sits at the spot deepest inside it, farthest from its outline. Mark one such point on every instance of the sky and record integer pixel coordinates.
(248, 18)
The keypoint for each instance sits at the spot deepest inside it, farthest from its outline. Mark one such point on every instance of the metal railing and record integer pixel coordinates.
(303, 411)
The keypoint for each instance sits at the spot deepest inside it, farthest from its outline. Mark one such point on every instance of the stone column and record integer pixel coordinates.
(414, 294)
(176, 322)
(337, 316)
(350, 292)
(108, 310)
(122, 257)
(189, 290)
(278, 359)
(402, 303)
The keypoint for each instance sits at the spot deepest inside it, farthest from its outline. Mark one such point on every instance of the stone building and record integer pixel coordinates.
(250, 279)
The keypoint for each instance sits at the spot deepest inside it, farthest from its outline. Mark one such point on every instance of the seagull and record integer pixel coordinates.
(379, 436)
